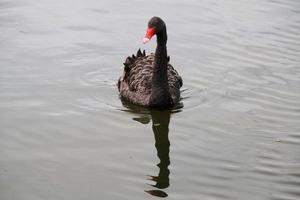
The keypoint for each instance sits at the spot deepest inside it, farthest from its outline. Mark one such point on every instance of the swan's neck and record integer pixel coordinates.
(160, 78)
(160, 87)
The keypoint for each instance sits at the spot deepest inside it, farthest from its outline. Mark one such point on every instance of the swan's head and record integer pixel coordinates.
(155, 26)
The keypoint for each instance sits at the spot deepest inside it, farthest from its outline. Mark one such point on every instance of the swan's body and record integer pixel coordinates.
(149, 80)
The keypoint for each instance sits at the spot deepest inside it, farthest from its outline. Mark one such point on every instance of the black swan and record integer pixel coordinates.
(150, 80)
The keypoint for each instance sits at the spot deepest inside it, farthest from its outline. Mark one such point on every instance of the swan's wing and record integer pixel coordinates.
(137, 74)
(175, 83)
(174, 79)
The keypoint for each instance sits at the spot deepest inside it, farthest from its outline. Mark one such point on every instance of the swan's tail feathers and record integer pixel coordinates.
(127, 63)
(119, 84)
(131, 59)
(139, 53)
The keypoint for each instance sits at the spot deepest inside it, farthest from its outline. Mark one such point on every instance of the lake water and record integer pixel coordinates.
(65, 134)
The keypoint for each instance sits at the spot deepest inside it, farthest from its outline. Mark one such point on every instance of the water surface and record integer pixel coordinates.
(65, 134)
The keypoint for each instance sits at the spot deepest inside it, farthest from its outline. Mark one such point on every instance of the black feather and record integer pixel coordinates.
(139, 53)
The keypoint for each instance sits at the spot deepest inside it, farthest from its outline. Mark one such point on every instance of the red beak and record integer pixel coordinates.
(150, 32)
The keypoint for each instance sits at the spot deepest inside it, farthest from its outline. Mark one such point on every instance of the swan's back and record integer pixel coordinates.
(135, 85)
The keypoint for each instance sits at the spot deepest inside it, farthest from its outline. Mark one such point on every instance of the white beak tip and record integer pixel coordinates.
(145, 40)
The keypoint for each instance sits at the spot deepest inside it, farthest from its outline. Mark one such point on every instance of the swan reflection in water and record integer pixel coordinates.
(160, 128)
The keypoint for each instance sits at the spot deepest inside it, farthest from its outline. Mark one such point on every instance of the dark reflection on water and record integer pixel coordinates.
(160, 128)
